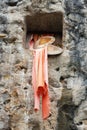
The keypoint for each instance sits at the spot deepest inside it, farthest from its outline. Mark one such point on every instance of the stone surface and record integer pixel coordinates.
(67, 72)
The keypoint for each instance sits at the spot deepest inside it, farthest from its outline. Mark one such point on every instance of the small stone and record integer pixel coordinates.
(56, 7)
(4, 120)
(3, 19)
(76, 18)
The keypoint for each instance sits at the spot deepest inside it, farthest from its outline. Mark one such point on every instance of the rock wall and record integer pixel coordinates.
(67, 72)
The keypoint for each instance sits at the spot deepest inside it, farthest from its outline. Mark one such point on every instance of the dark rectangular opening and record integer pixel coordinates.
(47, 23)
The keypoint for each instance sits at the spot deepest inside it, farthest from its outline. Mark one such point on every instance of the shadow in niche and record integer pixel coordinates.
(66, 111)
(44, 23)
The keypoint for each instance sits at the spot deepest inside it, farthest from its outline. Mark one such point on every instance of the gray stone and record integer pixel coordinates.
(81, 113)
(85, 2)
(79, 91)
(3, 19)
(56, 7)
(67, 72)
(75, 17)
(3, 28)
(4, 120)
(3, 6)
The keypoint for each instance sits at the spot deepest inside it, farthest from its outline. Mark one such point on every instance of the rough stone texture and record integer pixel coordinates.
(67, 72)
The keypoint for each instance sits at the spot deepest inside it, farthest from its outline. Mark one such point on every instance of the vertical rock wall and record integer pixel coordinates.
(73, 103)
(67, 72)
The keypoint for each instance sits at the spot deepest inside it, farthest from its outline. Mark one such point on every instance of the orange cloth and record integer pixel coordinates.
(40, 80)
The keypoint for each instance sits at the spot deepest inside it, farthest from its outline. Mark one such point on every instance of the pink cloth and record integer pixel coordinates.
(40, 81)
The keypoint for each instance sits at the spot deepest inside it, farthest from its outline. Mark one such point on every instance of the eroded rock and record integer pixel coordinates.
(67, 72)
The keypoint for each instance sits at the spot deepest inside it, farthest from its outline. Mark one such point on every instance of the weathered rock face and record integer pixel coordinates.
(67, 72)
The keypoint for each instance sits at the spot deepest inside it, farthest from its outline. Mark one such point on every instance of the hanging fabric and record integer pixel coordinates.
(40, 80)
